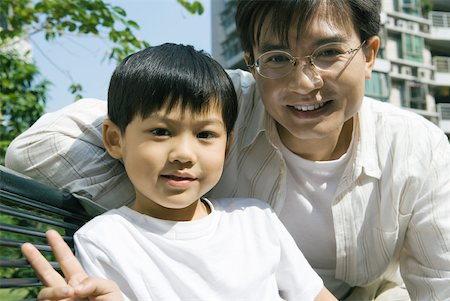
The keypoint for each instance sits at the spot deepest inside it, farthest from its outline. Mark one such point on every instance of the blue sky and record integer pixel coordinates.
(83, 59)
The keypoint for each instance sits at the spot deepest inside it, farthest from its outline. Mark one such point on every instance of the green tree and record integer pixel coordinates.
(22, 88)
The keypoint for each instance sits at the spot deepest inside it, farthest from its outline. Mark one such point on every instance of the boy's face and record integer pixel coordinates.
(337, 95)
(173, 159)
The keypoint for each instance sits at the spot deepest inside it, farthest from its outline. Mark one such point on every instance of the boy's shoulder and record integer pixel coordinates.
(102, 223)
(240, 204)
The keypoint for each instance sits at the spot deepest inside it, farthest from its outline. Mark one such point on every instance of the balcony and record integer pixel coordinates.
(442, 74)
(444, 116)
(440, 25)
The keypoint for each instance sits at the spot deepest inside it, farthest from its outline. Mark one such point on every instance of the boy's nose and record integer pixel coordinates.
(183, 151)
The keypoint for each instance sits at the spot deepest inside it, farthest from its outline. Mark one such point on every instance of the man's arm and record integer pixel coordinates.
(64, 149)
(425, 263)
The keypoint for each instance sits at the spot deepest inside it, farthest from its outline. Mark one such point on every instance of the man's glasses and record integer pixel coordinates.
(331, 57)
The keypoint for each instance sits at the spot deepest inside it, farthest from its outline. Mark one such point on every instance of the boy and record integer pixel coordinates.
(171, 114)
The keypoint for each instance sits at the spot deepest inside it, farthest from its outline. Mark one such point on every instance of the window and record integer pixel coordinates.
(411, 7)
(412, 47)
(414, 95)
(377, 87)
(231, 47)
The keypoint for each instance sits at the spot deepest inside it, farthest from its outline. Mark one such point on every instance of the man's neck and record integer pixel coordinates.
(331, 147)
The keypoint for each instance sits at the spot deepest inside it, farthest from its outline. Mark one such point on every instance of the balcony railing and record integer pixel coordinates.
(439, 19)
(442, 64)
(443, 111)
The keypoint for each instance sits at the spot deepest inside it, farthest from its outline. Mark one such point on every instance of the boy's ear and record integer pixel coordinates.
(247, 58)
(372, 47)
(112, 139)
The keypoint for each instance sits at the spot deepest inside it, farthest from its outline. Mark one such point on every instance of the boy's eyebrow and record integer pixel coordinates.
(165, 118)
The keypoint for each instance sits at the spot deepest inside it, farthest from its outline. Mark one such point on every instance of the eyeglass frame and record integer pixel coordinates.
(295, 60)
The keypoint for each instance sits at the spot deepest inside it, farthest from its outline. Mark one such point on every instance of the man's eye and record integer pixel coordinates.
(330, 53)
(160, 132)
(279, 58)
(206, 135)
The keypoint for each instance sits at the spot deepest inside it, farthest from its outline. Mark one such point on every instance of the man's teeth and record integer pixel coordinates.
(309, 107)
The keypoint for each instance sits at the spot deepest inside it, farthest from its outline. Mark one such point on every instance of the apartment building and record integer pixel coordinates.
(413, 65)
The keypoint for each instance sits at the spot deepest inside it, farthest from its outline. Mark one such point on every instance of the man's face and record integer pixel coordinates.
(313, 105)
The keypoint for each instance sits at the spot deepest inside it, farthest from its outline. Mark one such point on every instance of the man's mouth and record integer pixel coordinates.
(310, 107)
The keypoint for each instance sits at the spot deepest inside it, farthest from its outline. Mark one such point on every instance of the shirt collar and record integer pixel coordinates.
(365, 144)
(366, 159)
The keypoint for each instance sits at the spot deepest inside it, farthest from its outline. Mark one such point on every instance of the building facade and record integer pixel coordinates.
(413, 65)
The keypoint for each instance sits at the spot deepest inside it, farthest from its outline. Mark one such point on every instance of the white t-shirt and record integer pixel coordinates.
(241, 251)
(311, 186)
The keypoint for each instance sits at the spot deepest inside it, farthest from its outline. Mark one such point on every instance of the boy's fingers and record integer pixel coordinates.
(69, 264)
(43, 269)
(56, 293)
(102, 289)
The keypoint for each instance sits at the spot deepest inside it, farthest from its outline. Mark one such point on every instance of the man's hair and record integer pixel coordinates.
(281, 14)
(167, 76)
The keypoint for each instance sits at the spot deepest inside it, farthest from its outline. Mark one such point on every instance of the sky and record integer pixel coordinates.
(83, 60)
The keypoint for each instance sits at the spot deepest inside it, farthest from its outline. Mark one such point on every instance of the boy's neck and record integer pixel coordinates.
(196, 210)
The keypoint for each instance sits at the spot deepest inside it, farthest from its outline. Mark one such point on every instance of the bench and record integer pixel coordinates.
(27, 210)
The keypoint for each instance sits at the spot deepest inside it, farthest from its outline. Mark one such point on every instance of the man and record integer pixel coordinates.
(362, 186)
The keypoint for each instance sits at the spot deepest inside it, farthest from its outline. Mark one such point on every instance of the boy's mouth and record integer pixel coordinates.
(177, 178)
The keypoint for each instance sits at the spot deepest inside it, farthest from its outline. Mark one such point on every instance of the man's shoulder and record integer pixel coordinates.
(396, 132)
(389, 118)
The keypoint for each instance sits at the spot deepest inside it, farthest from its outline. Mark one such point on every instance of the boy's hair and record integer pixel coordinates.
(166, 76)
(281, 14)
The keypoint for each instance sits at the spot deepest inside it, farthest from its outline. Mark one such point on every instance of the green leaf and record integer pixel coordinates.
(120, 11)
(23, 89)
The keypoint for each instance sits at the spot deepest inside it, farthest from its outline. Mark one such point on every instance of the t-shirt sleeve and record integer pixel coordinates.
(96, 262)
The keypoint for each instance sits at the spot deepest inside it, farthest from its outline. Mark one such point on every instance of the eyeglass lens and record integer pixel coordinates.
(329, 57)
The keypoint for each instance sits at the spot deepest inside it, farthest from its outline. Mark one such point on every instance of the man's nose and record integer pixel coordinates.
(305, 78)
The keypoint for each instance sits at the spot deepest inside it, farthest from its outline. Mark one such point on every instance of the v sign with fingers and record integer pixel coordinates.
(77, 285)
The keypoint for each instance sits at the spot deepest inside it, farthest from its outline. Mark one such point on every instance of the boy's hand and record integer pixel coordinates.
(77, 283)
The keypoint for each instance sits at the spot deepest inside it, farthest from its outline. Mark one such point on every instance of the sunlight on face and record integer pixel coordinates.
(311, 106)
(173, 158)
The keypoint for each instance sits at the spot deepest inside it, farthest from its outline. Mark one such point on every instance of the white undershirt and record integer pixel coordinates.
(307, 215)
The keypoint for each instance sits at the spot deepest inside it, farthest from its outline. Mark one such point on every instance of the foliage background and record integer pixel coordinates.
(23, 90)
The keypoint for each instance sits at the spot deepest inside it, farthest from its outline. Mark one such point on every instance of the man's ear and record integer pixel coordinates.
(112, 139)
(248, 60)
(372, 47)
(229, 143)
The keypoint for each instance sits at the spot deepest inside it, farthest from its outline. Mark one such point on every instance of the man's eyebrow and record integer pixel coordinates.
(330, 39)
(269, 46)
(272, 46)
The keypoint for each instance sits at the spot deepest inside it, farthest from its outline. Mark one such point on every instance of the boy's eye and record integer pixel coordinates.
(160, 132)
(205, 135)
